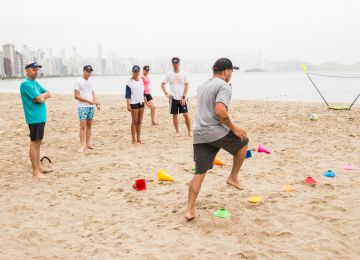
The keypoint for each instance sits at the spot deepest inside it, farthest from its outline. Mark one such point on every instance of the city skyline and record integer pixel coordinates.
(70, 63)
(66, 62)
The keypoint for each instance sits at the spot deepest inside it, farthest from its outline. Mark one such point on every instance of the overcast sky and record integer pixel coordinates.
(313, 30)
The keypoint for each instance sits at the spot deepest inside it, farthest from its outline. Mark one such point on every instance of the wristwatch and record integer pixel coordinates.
(183, 97)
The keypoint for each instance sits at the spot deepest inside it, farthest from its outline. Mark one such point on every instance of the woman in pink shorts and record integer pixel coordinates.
(148, 98)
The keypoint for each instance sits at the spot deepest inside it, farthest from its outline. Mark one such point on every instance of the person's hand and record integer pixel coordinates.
(98, 106)
(183, 101)
(129, 107)
(241, 133)
(168, 95)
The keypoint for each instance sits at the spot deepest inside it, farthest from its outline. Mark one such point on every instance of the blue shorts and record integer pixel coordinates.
(86, 113)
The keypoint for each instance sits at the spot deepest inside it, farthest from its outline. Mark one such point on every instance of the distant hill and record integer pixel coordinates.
(255, 70)
(294, 65)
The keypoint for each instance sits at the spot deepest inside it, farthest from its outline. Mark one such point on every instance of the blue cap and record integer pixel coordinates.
(135, 68)
(33, 65)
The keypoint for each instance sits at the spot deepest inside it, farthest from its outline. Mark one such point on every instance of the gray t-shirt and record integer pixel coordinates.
(208, 128)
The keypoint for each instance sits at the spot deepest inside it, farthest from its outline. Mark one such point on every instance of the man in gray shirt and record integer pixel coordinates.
(214, 130)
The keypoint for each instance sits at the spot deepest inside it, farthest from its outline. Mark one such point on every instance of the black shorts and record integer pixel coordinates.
(204, 154)
(137, 106)
(37, 131)
(148, 97)
(176, 107)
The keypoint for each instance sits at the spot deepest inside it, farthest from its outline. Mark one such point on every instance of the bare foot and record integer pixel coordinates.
(190, 134)
(38, 175)
(235, 184)
(140, 142)
(82, 149)
(135, 142)
(89, 146)
(154, 123)
(190, 215)
(177, 134)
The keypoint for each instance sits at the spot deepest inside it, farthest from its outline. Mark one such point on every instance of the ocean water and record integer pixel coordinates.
(281, 86)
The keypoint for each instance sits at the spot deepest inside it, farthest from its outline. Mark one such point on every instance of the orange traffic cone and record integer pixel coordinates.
(218, 161)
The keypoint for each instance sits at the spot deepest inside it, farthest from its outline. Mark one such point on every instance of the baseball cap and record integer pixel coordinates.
(135, 68)
(88, 67)
(33, 65)
(146, 67)
(224, 64)
(175, 60)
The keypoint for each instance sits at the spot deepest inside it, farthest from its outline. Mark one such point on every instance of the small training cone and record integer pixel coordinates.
(139, 185)
(288, 188)
(310, 181)
(254, 199)
(248, 154)
(222, 213)
(164, 176)
(218, 161)
(329, 173)
(349, 167)
(262, 149)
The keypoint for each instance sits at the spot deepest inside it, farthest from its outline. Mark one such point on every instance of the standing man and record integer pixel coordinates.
(85, 94)
(179, 87)
(33, 98)
(214, 130)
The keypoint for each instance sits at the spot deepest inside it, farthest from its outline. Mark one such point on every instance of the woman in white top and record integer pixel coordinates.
(134, 95)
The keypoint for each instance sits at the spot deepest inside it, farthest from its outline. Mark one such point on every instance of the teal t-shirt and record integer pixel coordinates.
(34, 112)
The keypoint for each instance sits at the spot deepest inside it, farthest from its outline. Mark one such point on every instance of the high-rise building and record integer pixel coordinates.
(100, 64)
(28, 55)
(9, 60)
(2, 71)
(19, 66)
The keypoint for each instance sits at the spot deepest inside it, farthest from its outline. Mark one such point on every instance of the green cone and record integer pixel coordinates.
(222, 213)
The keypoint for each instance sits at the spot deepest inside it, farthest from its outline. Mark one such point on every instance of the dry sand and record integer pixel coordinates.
(87, 208)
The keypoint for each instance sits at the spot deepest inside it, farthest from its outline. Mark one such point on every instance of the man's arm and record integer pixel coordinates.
(78, 97)
(42, 97)
(183, 98)
(163, 87)
(223, 115)
(95, 100)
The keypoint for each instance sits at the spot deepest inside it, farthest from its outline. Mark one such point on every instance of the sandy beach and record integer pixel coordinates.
(87, 208)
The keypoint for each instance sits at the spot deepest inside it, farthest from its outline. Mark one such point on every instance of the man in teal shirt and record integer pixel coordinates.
(33, 98)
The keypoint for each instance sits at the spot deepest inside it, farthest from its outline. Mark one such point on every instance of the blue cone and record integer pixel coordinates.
(329, 173)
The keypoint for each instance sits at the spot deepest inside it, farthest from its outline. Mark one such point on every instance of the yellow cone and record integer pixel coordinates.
(255, 199)
(218, 161)
(164, 176)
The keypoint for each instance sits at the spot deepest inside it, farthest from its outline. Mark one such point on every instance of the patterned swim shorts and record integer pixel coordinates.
(86, 113)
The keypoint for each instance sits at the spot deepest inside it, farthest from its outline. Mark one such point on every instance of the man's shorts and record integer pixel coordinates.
(204, 154)
(37, 131)
(137, 106)
(176, 107)
(86, 113)
(148, 97)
